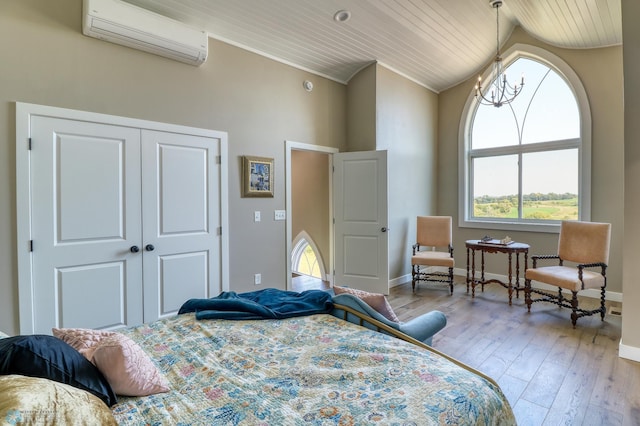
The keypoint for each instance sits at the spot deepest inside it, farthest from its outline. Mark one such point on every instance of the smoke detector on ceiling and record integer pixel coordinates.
(342, 16)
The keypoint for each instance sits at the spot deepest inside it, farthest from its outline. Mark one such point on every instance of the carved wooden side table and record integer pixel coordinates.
(485, 247)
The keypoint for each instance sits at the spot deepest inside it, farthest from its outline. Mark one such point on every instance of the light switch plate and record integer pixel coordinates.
(279, 215)
(256, 216)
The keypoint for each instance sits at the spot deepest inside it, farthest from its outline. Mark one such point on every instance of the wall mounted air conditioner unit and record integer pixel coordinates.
(123, 23)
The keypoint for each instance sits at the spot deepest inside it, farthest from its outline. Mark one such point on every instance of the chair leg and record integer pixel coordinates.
(574, 306)
(560, 298)
(527, 294)
(451, 280)
(413, 277)
(602, 307)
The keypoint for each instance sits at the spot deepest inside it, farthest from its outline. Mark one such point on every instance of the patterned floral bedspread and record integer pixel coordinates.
(314, 370)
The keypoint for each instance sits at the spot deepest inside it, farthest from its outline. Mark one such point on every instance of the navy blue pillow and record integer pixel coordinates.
(50, 358)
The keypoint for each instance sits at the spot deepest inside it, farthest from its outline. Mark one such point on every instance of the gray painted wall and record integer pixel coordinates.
(407, 127)
(631, 35)
(361, 110)
(389, 112)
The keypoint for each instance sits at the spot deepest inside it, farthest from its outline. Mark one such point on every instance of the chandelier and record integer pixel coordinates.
(502, 92)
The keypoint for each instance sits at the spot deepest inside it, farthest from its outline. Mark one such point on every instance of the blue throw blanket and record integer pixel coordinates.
(269, 303)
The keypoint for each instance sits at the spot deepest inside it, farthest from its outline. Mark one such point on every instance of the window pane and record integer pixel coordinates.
(550, 185)
(308, 263)
(494, 127)
(553, 114)
(501, 126)
(534, 74)
(495, 187)
(545, 110)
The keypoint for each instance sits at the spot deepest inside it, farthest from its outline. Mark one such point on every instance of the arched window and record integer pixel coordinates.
(527, 163)
(305, 257)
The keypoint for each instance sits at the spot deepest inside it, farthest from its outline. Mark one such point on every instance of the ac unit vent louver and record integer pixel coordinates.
(123, 23)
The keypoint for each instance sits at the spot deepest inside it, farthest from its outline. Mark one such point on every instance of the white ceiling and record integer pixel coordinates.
(436, 43)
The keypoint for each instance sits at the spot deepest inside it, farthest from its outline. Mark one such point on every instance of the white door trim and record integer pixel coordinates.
(290, 146)
(24, 112)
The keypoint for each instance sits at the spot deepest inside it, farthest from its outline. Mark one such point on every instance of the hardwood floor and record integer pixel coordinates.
(550, 373)
(303, 282)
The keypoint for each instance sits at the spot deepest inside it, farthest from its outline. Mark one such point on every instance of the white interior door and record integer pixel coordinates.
(181, 219)
(85, 192)
(360, 213)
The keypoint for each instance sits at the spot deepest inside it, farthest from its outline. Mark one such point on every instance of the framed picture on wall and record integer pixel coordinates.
(257, 176)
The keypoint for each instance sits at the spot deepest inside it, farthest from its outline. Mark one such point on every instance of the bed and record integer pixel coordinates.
(306, 370)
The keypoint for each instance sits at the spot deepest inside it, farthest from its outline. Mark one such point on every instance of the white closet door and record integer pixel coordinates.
(181, 217)
(86, 217)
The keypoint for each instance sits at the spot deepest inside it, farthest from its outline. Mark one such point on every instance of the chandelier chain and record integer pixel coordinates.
(497, 31)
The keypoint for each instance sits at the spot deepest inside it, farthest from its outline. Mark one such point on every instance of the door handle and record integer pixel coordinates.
(134, 249)
(384, 229)
(149, 247)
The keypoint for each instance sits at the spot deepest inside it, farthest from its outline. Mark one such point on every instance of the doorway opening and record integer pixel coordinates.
(309, 236)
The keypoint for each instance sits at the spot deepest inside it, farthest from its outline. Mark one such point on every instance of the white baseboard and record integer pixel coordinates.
(628, 352)
(591, 292)
(400, 280)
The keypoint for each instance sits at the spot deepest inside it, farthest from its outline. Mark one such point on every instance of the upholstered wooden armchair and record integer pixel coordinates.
(586, 246)
(433, 234)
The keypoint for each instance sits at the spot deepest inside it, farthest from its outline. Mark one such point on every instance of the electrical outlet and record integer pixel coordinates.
(279, 215)
(257, 279)
(256, 216)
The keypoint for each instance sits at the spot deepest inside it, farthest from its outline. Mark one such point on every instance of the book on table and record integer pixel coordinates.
(496, 242)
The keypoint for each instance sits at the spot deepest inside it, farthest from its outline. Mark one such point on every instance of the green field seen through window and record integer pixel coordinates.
(534, 206)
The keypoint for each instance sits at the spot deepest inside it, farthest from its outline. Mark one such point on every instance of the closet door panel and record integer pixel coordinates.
(181, 218)
(182, 189)
(105, 282)
(88, 185)
(174, 286)
(86, 216)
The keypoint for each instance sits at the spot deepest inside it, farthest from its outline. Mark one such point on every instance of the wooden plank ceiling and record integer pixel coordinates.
(436, 43)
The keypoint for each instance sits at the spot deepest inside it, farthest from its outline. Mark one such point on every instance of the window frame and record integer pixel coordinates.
(465, 201)
(302, 240)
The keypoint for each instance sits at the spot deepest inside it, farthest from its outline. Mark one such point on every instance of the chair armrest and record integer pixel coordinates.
(592, 265)
(601, 265)
(424, 327)
(537, 257)
(415, 247)
(451, 250)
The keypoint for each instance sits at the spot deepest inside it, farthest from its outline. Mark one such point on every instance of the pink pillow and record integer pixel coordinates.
(127, 368)
(83, 340)
(376, 300)
(124, 364)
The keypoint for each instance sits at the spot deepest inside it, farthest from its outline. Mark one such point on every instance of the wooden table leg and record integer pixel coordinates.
(518, 275)
(473, 273)
(482, 271)
(510, 287)
(468, 276)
